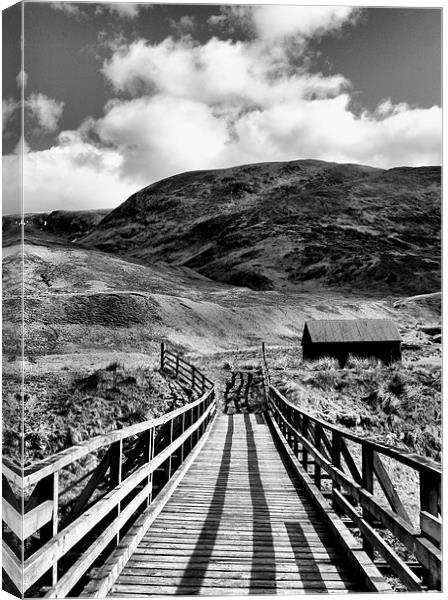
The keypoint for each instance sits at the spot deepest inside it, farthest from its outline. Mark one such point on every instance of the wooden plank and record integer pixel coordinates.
(359, 560)
(350, 462)
(431, 527)
(398, 566)
(72, 576)
(228, 584)
(336, 474)
(431, 558)
(388, 488)
(307, 564)
(419, 463)
(115, 564)
(37, 564)
(407, 534)
(311, 580)
(12, 565)
(60, 460)
(96, 478)
(25, 525)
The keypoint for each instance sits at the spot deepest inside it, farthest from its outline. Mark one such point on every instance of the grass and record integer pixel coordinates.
(400, 404)
(63, 409)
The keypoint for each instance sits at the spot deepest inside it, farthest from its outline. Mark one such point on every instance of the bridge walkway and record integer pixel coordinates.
(238, 523)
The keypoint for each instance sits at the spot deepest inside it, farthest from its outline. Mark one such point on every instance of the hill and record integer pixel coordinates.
(54, 227)
(288, 226)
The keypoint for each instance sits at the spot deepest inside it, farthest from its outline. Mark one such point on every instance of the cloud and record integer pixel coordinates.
(46, 111)
(11, 182)
(157, 135)
(273, 21)
(126, 10)
(183, 26)
(73, 175)
(68, 8)
(21, 79)
(184, 105)
(269, 110)
(216, 72)
(9, 107)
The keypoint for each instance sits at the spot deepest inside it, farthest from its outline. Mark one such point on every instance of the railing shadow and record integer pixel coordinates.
(307, 566)
(263, 571)
(203, 550)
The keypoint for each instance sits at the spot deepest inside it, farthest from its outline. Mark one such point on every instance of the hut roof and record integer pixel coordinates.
(352, 330)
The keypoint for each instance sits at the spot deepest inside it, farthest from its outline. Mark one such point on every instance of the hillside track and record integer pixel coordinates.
(238, 523)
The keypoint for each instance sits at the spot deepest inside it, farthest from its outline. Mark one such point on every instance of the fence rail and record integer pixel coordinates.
(50, 544)
(355, 467)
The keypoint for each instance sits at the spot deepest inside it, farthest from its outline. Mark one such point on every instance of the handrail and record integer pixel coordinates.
(40, 469)
(410, 459)
(323, 446)
(135, 463)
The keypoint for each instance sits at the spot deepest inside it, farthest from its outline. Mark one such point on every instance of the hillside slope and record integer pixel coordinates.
(288, 226)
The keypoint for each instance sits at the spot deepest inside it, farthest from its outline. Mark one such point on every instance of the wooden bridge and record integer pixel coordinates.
(199, 502)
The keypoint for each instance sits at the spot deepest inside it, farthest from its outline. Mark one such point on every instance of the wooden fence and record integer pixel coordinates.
(361, 488)
(71, 523)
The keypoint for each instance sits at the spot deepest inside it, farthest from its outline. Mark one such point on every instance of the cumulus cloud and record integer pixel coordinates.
(11, 181)
(9, 107)
(126, 10)
(46, 111)
(272, 21)
(73, 175)
(218, 71)
(261, 107)
(184, 105)
(157, 135)
(68, 8)
(183, 26)
(21, 79)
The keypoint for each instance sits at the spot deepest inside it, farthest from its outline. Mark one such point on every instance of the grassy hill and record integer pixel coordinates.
(214, 262)
(288, 226)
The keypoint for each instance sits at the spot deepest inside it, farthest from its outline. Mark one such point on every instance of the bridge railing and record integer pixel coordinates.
(355, 467)
(62, 517)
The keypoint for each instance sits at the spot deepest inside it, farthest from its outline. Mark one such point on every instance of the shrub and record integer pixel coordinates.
(360, 363)
(114, 366)
(326, 363)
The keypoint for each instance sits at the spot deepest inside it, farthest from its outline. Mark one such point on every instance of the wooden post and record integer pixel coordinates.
(50, 491)
(150, 455)
(335, 456)
(317, 439)
(193, 376)
(182, 429)
(305, 422)
(162, 356)
(171, 454)
(115, 472)
(54, 575)
(430, 503)
(177, 365)
(367, 482)
(296, 442)
(429, 493)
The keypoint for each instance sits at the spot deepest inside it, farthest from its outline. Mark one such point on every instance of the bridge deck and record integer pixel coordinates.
(238, 523)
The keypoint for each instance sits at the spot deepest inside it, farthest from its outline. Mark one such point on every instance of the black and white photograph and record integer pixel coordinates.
(221, 299)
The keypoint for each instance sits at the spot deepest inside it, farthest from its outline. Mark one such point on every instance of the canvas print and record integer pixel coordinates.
(221, 300)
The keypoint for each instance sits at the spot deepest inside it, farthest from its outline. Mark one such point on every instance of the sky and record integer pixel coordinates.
(117, 96)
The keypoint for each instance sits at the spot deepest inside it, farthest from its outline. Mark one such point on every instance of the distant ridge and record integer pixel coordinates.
(302, 224)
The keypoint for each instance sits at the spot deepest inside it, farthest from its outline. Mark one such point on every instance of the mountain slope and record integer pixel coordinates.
(288, 226)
